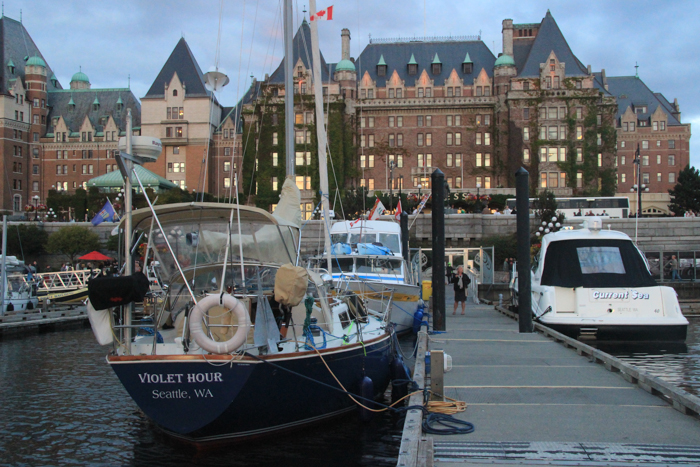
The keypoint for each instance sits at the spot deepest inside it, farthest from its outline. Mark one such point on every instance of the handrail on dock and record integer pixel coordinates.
(61, 281)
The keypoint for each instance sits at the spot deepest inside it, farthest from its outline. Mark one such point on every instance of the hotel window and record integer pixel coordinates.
(562, 113)
(478, 138)
(487, 159)
(655, 127)
(420, 92)
(227, 166)
(299, 137)
(275, 140)
(631, 126)
(562, 132)
(526, 134)
(658, 176)
(370, 93)
(399, 161)
(552, 113)
(579, 113)
(579, 132)
(645, 144)
(623, 178)
(362, 141)
(458, 182)
(579, 179)
(487, 119)
(182, 113)
(370, 122)
(58, 170)
(458, 160)
(622, 160)
(449, 139)
(399, 139)
(671, 177)
(450, 92)
(671, 144)
(391, 122)
(363, 122)
(371, 161)
(553, 132)
(392, 140)
(419, 139)
(479, 159)
(552, 154)
(487, 139)
(622, 144)
(543, 180)
(227, 182)
(543, 132)
(562, 154)
(487, 182)
(645, 160)
(227, 151)
(658, 144)
(477, 121)
(458, 139)
(35, 186)
(65, 169)
(371, 141)
(399, 121)
(600, 160)
(421, 160)
(458, 120)
(370, 184)
(298, 118)
(553, 179)
(363, 161)
(448, 158)
(526, 155)
(662, 126)
(178, 132)
(274, 184)
(658, 159)
(672, 160)
(645, 178)
(449, 120)
(308, 137)
(275, 159)
(84, 169)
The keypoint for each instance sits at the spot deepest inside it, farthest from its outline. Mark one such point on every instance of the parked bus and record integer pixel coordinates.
(575, 207)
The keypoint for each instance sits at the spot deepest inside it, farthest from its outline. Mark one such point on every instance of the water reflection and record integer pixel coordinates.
(677, 363)
(62, 404)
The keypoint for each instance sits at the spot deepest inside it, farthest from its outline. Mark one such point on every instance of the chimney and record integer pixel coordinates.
(676, 110)
(345, 41)
(588, 68)
(604, 78)
(508, 37)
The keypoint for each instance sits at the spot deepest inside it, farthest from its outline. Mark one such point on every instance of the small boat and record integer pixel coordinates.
(592, 283)
(20, 287)
(367, 260)
(70, 296)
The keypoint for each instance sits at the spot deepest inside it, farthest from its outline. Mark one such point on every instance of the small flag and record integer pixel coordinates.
(323, 15)
(106, 213)
(377, 210)
(423, 201)
(397, 216)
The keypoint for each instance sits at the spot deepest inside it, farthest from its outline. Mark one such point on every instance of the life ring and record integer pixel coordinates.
(201, 338)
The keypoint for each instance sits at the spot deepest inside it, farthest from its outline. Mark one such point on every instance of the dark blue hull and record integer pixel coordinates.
(216, 401)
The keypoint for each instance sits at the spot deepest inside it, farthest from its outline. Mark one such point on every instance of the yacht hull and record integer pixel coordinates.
(405, 300)
(665, 333)
(213, 399)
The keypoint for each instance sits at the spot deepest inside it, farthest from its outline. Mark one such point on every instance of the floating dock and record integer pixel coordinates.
(12, 323)
(542, 398)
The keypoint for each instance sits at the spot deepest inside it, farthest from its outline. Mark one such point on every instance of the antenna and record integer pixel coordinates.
(129, 85)
(636, 70)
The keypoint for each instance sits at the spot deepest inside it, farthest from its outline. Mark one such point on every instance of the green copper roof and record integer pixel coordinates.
(436, 59)
(10, 63)
(467, 59)
(381, 60)
(96, 101)
(53, 77)
(71, 102)
(120, 101)
(345, 65)
(504, 60)
(115, 180)
(412, 61)
(36, 60)
(80, 76)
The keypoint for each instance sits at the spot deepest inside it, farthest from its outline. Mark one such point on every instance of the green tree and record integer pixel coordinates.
(72, 241)
(685, 196)
(23, 239)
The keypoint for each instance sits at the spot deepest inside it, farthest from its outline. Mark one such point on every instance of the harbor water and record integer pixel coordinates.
(63, 405)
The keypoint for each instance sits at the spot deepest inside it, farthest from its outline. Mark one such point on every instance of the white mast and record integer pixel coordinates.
(289, 89)
(321, 134)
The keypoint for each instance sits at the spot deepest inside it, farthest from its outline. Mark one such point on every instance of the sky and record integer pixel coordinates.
(114, 40)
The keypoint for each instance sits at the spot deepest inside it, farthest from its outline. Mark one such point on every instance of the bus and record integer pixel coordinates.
(617, 207)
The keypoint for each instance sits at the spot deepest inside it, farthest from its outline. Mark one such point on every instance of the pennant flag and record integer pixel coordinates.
(106, 213)
(352, 224)
(423, 201)
(377, 210)
(323, 15)
(397, 216)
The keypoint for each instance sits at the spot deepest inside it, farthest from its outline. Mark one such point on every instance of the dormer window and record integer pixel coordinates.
(381, 70)
(412, 69)
(174, 92)
(300, 72)
(11, 66)
(467, 68)
(120, 107)
(437, 68)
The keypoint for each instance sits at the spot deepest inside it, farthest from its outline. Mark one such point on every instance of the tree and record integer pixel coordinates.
(72, 241)
(26, 240)
(685, 196)
(546, 211)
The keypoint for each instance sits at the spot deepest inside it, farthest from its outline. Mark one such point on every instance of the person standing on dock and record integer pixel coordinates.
(461, 282)
(674, 268)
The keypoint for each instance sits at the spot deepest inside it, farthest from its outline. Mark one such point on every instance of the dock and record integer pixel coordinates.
(12, 323)
(542, 398)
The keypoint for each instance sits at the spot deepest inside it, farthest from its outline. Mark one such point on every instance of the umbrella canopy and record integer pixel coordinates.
(114, 180)
(95, 256)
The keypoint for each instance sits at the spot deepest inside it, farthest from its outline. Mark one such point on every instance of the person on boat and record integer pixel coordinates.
(460, 283)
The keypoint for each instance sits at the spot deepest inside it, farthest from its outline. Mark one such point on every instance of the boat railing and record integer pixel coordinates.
(61, 281)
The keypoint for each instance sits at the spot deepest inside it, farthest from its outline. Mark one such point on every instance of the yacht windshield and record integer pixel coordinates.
(600, 263)
(391, 241)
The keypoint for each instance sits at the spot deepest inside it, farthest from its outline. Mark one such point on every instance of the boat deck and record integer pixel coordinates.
(536, 400)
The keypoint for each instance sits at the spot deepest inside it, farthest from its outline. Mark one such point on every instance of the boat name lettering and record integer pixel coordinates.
(158, 378)
(635, 295)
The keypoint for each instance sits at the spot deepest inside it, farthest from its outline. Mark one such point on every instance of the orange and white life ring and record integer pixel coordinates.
(204, 341)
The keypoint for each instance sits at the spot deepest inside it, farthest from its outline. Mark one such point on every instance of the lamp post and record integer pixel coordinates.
(639, 187)
(391, 185)
(478, 199)
(36, 206)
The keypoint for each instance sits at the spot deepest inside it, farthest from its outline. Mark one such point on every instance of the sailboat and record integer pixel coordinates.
(237, 341)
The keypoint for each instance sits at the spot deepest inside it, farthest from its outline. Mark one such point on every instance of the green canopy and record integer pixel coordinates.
(115, 180)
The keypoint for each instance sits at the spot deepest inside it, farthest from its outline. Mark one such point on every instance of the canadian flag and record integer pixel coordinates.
(323, 15)
(377, 210)
(397, 216)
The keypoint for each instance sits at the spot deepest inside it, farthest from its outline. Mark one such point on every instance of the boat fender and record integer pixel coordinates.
(367, 392)
(400, 377)
(417, 321)
(10, 307)
(201, 338)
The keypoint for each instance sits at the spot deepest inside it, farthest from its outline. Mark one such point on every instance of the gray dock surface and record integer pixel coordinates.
(534, 401)
(13, 323)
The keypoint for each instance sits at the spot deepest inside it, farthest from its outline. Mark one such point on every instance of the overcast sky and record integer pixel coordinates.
(112, 40)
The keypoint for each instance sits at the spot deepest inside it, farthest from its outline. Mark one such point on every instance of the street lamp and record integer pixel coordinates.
(391, 185)
(478, 199)
(639, 186)
(36, 207)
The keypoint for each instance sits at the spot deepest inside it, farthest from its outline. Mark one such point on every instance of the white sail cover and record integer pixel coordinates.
(289, 207)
